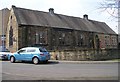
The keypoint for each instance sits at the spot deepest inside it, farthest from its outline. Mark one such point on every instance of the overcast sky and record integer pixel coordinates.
(75, 8)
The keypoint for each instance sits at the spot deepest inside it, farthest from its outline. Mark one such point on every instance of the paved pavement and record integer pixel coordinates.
(85, 62)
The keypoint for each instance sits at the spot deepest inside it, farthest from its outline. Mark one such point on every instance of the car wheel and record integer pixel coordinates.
(12, 59)
(35, 60)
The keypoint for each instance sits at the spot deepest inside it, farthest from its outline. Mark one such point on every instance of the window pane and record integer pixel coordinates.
(31, 50)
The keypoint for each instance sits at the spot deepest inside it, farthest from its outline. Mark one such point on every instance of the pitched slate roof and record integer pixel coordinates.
(40, 18)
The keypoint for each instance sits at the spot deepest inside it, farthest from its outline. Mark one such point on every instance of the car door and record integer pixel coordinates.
(21, 54)
(29, 54)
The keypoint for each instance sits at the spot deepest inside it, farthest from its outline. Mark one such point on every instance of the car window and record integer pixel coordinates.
(6, 51)
(31, 50)
(42, 50)
(22, 51)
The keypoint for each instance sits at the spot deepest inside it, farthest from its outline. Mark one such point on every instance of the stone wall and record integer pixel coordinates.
(12, 25)
(91, 54)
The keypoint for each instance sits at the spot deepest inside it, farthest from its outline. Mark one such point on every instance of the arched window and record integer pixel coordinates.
(97, 41)
(11, 36)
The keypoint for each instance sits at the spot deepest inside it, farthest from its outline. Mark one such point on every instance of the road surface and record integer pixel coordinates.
(59, 71)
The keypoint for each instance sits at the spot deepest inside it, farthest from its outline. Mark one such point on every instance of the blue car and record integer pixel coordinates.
(34, 54)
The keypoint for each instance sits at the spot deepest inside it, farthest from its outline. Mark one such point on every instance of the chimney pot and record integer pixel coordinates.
(13, 6)
(51, 11)
(85, 16)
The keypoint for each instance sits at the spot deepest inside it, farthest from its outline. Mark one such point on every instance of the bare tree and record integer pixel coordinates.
(112, 7)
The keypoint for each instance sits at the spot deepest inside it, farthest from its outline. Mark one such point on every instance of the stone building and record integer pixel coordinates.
(66, 37)
(4, 14)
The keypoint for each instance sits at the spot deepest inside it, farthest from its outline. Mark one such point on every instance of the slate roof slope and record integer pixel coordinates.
(40, 18)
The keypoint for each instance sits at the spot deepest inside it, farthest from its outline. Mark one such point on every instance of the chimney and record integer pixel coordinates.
(85, 16)
(13, 6)
(51, 11)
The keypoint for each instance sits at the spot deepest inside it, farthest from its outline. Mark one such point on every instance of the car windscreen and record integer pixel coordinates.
(42, 49)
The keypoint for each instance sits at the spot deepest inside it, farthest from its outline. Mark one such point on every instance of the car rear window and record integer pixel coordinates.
(42, 50)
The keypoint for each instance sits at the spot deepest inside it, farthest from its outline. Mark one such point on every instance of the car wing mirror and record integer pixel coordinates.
(18, 52)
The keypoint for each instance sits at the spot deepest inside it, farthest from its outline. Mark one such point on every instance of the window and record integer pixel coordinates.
(11, 36)
(37, 38)
(65, 38)
(11, 17)
(68, 38)
(114, 41)
(81, 39)
(61, 38)
(97, 41)
(11, 20)
(42, 50)
(107, 40)
(90, 40)
(31, 50)
(22, 51)
(41, 37)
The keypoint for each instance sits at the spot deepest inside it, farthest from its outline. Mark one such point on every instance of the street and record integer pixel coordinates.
(59, 71)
